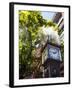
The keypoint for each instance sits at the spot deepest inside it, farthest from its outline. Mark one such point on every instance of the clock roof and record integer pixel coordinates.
(50, 44)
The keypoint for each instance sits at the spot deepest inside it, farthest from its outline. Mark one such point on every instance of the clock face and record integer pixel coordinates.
(54, 52)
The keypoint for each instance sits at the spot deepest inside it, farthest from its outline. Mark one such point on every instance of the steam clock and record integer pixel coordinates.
(51, 59)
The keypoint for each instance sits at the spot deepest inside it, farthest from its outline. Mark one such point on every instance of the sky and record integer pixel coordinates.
(47, 15)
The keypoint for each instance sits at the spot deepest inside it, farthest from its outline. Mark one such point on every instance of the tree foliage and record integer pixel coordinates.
(29, 23)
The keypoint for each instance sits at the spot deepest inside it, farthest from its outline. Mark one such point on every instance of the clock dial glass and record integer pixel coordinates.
(54, 52)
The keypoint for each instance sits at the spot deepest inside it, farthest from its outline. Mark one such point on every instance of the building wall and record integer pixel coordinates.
(59, 20)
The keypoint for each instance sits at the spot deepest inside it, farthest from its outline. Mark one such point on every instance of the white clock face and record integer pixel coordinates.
(54, 53)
